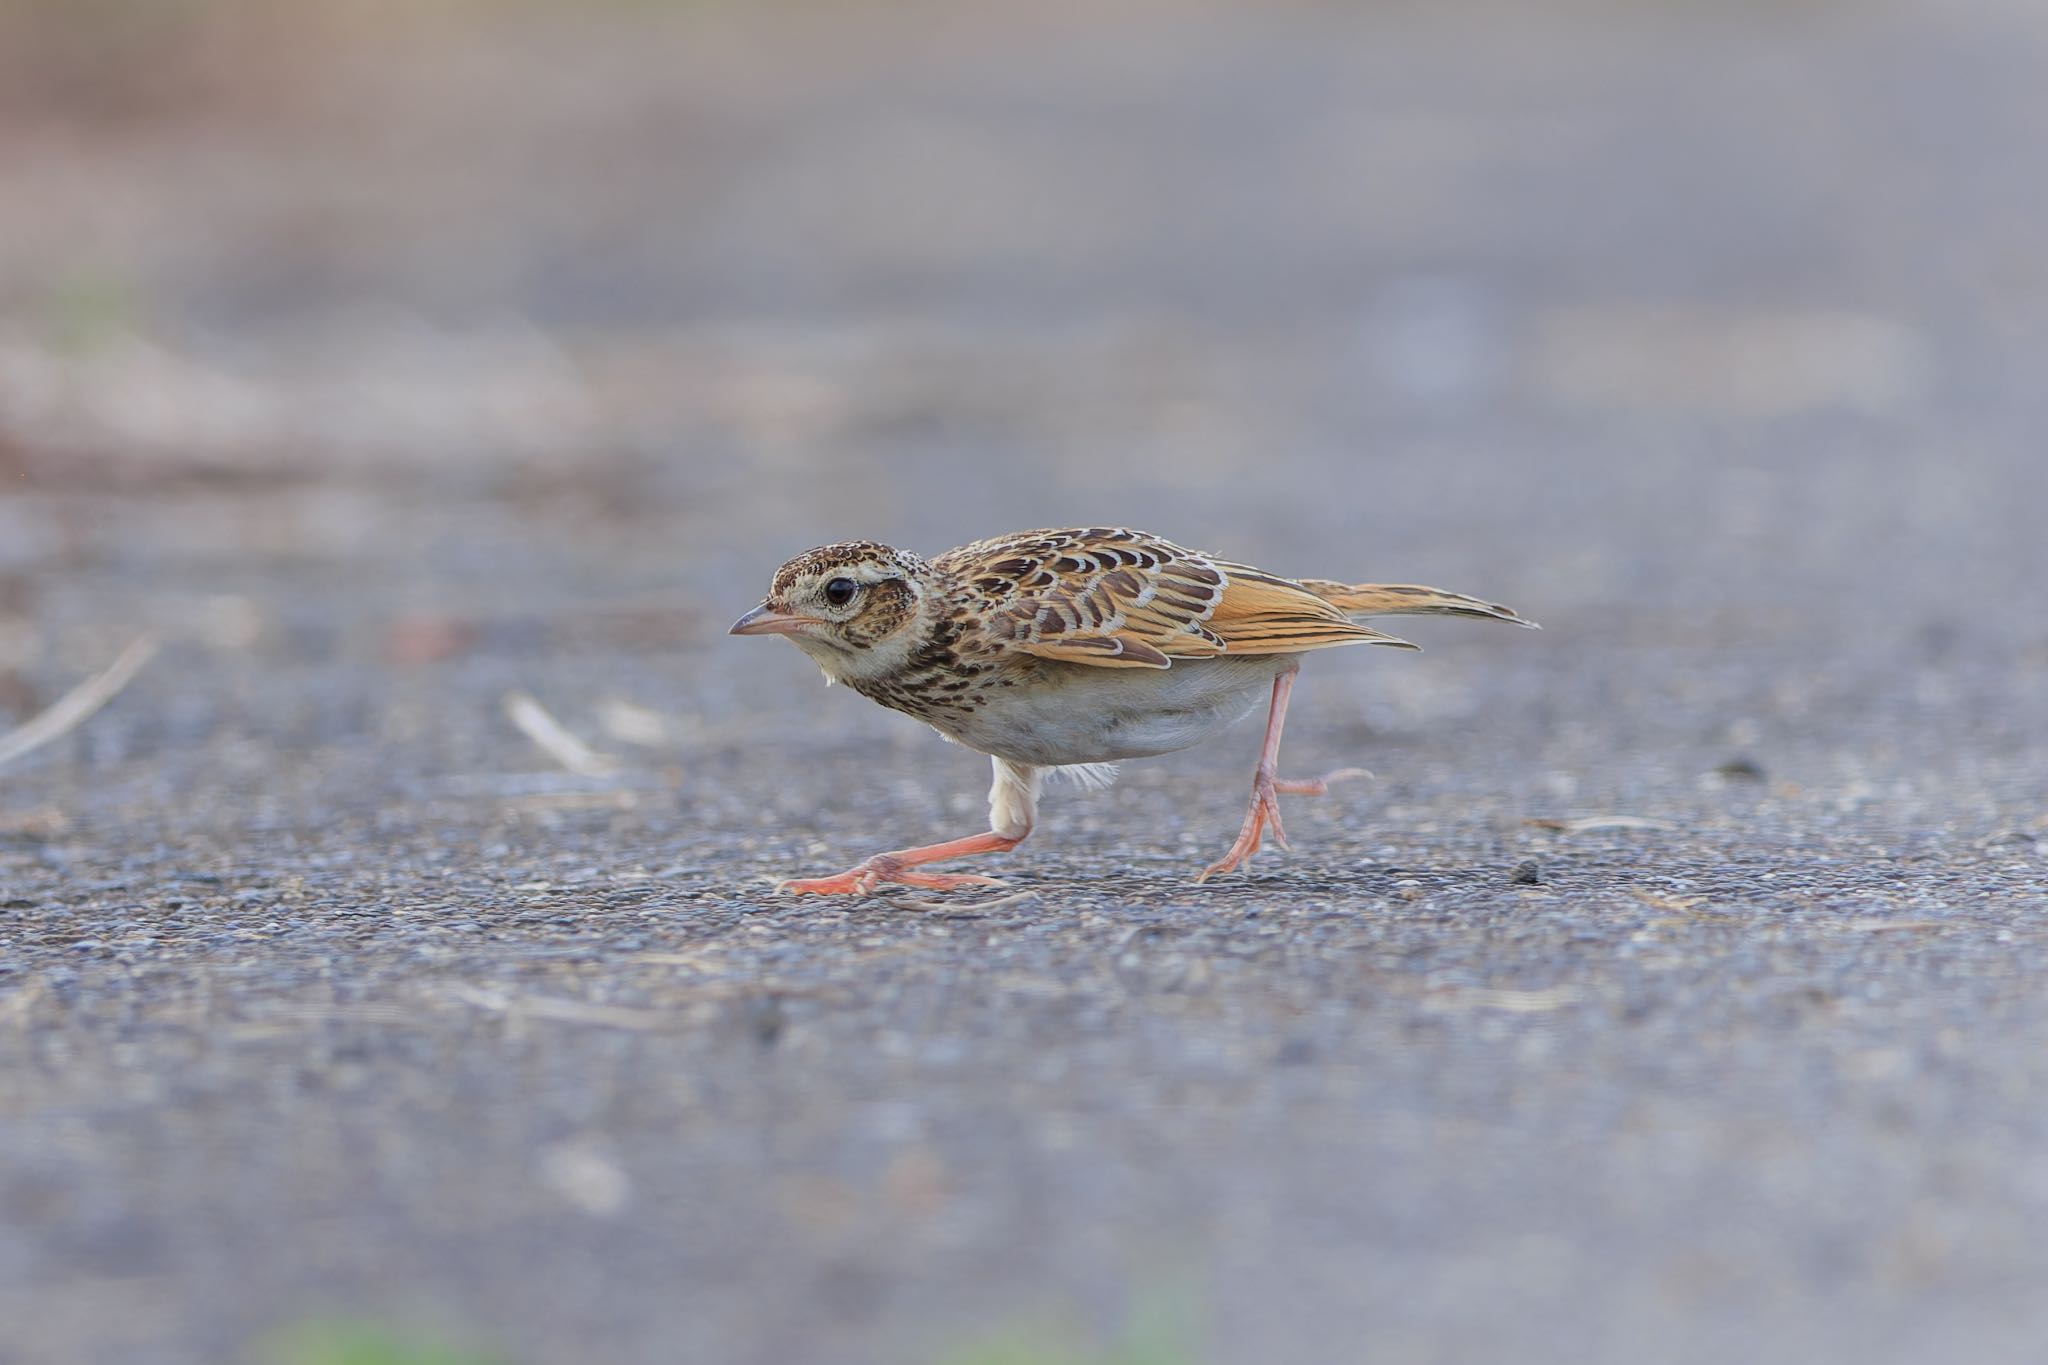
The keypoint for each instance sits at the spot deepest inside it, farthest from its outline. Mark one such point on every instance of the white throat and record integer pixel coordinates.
(878, 660)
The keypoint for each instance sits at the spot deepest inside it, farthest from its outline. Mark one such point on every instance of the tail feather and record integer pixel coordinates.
(1408, 599)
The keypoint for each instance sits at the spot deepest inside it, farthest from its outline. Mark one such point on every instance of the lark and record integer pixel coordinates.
(1072, 650)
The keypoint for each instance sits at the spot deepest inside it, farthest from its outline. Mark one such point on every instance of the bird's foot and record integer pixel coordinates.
(876, 871)
(1264, 813)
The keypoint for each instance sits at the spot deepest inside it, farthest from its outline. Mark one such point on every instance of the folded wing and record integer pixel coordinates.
(1116, 598)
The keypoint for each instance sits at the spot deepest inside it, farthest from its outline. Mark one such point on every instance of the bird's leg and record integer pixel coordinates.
(900, 868)
(1012, 809)
(1264, 810)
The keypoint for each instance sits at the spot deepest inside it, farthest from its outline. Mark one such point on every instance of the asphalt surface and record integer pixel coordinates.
(1671, 994)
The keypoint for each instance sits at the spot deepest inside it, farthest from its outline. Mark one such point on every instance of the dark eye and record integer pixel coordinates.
(840, 591)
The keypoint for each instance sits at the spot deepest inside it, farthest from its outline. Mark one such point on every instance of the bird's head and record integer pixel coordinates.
(856, 608)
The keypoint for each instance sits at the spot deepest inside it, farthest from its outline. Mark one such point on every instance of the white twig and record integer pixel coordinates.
(956, 907)
(560, 1011)
(634, 724)
(557, 743)
(78, 705)
(1589, 823)
(1514, 1002)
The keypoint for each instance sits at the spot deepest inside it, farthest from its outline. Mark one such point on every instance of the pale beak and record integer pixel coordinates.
(765, 620)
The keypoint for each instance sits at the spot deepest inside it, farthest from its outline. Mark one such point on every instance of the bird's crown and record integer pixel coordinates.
(862, 561)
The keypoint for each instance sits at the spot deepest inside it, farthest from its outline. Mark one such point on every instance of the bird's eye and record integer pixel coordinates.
(840, 591)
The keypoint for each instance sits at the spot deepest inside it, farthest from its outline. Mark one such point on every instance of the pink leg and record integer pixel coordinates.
(897, 868)
(1265, 806)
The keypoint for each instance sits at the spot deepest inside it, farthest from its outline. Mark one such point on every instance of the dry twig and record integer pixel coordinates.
(1588, 823)
(956, 907)
(533, 720)
(75, 707)
(562, 1011)
(1511, 1001)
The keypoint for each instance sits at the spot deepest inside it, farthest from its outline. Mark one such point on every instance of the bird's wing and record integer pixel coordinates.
(1123, 599)
(1409, 599)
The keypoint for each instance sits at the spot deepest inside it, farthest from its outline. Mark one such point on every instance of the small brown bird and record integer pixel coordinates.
(1051, 650)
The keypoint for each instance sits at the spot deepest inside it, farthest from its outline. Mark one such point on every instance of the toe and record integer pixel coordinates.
(1316, 786)
(1273, 823)
(1239, 855)
(864, 881)
(845, 884)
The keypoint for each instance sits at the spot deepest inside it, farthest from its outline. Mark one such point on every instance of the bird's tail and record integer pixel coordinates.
(1407, 599)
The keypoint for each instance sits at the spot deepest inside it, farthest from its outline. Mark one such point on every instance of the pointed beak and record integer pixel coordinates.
(765, 620)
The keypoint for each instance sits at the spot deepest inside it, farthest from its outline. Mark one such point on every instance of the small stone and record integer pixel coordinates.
(1741, 769)
(1528, 872)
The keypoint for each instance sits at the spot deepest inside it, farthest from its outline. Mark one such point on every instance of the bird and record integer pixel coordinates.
(1070, 651)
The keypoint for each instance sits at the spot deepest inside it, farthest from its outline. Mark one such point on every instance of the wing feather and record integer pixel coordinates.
(1116, 598)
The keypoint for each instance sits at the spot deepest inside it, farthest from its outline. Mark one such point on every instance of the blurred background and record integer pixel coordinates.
(382, 359)
(318, 314)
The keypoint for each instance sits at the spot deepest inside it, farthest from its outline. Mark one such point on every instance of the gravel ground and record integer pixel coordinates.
(1669, 995)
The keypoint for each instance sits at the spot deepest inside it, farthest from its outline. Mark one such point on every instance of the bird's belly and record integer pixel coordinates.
(1077, 713)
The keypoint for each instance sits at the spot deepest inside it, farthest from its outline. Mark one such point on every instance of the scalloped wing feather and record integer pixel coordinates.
(1104, 651)
(1116, 598)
